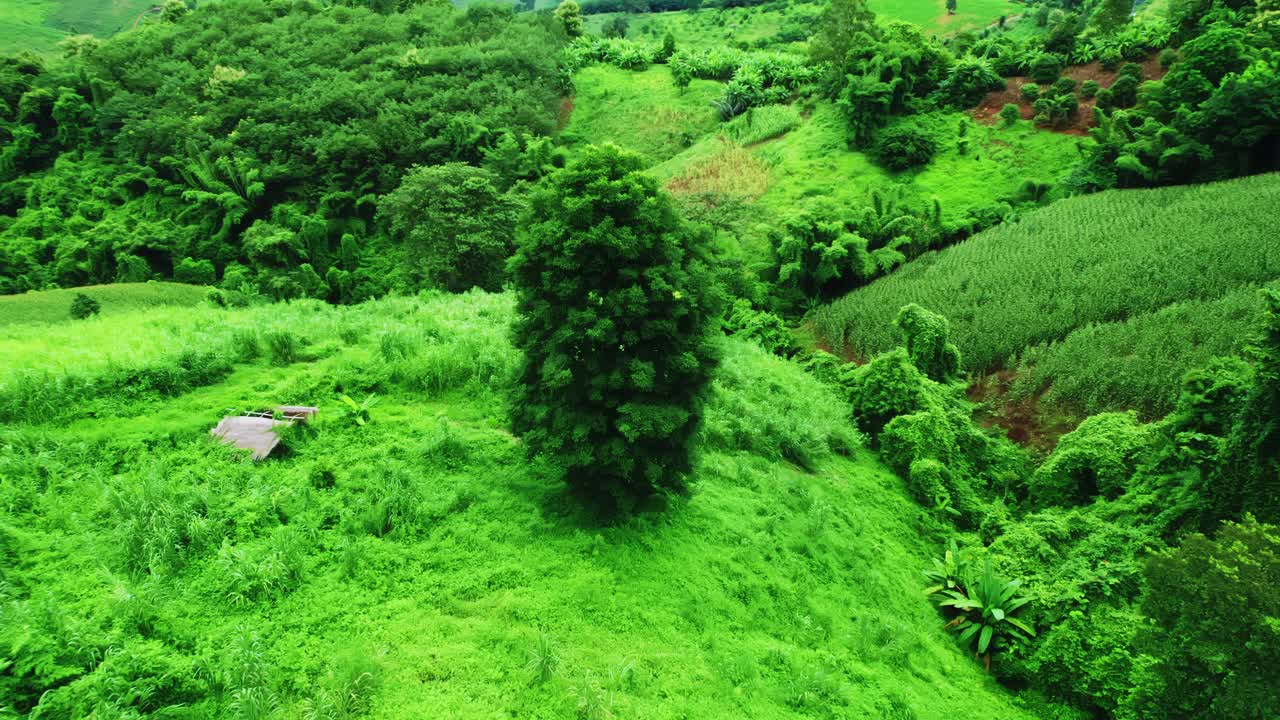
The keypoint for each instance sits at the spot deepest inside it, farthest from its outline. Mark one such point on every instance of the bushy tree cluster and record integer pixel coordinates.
(1212, 116)
(261, 138)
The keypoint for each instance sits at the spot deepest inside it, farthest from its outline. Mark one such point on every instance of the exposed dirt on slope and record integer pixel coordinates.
(1028, 421)
(988, 111)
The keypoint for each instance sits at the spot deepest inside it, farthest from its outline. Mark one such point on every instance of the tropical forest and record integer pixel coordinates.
(640, 359)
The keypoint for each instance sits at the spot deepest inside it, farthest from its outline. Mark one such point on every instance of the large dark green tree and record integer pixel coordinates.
(455, 225)
(615, 322)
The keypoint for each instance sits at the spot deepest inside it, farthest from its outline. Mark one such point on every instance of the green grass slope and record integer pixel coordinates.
(418, 566)
(932, 14)
(1114, 257)
(640, 110)
(38, 25)
(52, 306)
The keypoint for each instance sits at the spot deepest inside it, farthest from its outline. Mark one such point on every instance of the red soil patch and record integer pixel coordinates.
(988, 111)
(1026, 422)
(564, 112)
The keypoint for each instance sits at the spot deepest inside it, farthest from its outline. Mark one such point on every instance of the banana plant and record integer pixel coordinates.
(986, 607)
(357, 412)
(946, 573)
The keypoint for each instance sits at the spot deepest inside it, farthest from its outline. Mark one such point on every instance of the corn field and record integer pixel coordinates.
(1089, 260)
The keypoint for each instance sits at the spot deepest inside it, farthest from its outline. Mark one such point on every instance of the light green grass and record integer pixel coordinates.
(931, 15)
(425, 550)
(1093, 259)
(23, 26)
(640, 110)
(38, 25)
(54, 306)
(710, 27)
(814, 160)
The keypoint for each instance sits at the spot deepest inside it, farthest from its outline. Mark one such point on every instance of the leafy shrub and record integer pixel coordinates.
(616, 51)
(1089, 89)
(569, 13)
(1095, 459)
(966, 459)
(765, 328)
(195, 272)
(1062, 86)
(83, 306)
(883, 389)
(928, 341)
(815, 255)
(1010, 114)
(458, 226)
(1030, 92)
(614, 370)
(904, 146)
(983, 611)
(968, 80)
(1045, 68)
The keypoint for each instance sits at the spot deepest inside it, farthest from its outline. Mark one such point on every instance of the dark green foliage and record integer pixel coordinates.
(1046, 67)
(1010, 114)
(457, 227)
(1089, 89)
(928, 341)
(1111, 14)
(888, 386)
(926, 435)
(968, 80)
(1212, 116)
(1095, 459)
(258, 134)
(1030, 92)
(83, 306)
(1247, 478)
(616, 27)
(874, 72)
(668, 47)
(615, 308)
(904, 146)
(816, 255)
(569, 13)
(1212, 645)
(195, 272)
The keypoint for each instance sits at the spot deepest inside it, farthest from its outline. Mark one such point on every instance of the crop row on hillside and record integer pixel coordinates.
(1094, 259)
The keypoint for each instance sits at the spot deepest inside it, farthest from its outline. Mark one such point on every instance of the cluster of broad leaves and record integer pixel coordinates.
(253, 142)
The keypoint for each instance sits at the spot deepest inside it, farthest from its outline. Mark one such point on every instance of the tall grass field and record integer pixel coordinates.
(415, 565)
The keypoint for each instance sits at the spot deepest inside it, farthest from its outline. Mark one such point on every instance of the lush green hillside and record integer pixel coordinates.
(52, 306)
(416, 565)
(1110, 258)
(38, 25)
